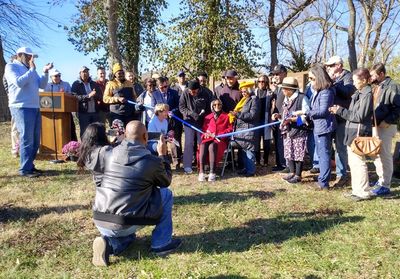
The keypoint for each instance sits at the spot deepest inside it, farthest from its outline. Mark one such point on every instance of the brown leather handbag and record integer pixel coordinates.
(366, 146)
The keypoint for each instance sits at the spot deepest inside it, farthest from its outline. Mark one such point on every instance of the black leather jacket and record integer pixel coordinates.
(129, 192)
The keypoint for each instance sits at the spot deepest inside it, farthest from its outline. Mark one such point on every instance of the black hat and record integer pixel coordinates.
(194, 84)
(231, 73)
(279, 69)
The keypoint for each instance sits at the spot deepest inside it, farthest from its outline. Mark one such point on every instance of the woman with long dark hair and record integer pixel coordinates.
(324, 122)
(94, 143)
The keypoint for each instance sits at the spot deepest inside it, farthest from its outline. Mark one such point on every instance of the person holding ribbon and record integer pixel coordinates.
(212, 148)
(246, 115)
(293, 128)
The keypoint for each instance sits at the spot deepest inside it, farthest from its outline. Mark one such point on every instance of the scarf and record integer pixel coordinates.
(238, 108)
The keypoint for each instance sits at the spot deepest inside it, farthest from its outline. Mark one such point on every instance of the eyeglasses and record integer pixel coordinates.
(261, 81)
(311, 78)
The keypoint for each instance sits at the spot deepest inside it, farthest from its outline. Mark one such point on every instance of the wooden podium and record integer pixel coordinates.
(64, 104)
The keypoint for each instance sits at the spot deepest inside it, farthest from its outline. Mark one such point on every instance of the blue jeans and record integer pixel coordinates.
(86, 118)
(28, 124)
(323, 144)
(341, 150)
(249, 160)
(119, 240)
(312, 149)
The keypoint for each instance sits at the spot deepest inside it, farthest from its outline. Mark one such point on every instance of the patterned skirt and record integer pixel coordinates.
(294, 148)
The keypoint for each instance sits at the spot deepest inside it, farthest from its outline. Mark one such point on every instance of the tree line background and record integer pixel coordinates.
(250, 36)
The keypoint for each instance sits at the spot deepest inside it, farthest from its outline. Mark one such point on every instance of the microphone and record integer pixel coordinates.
(202, 112)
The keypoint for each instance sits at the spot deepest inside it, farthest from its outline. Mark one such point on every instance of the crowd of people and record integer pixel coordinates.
(133, 172)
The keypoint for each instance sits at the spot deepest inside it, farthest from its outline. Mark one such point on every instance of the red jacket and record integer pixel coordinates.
(217, 126)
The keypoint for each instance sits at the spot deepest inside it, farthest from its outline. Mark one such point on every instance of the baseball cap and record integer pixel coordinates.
(26, 50)
(334, 60)
(181, 73)
(231, 73)
(84, 68)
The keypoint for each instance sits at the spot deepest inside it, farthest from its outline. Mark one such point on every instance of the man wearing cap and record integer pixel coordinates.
(58, 85)
(118, 91)
(89, 96)
(343, 84)
(230, 94)
(278, 74)
(182, 83)
(23, 100)
(194, 104)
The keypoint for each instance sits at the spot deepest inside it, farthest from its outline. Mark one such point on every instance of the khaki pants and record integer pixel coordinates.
(359, 174)
(384, 161)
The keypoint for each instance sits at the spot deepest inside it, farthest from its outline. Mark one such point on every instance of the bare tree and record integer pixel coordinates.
(16, 21)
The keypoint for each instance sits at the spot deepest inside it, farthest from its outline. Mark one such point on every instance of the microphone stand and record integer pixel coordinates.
(56, 161)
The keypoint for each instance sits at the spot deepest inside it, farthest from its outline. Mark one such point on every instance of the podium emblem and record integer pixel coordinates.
(46, 102)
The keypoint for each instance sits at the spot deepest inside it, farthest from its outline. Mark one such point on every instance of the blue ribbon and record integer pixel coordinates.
(247, 130)
(134, 103)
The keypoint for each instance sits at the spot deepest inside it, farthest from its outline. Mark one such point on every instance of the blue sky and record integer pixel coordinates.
(57, 49)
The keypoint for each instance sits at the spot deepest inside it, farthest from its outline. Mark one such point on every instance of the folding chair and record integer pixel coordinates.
(228, 151)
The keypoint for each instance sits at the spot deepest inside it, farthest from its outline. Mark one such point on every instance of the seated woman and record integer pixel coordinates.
(159, 124)
(216, 123)
(246, 113)
(294, 134)
(358, 122)
(93, 145)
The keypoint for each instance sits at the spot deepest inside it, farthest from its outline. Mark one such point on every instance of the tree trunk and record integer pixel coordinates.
(112, 25)
(351, 39)
(4, 111)
(273, 34)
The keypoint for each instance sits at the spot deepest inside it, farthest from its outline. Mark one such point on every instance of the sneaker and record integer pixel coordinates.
(285, 170)
(212, 177)
(188, 170)
(171, 247)
(201, 177)
(288, 177)
(357, 198)
(278, 168)
(101, 252)
(380, 191)
(295, 179)
(314, 170)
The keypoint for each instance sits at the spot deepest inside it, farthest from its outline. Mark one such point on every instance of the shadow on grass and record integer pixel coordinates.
(9, 213)
(46, 173)
(264, 231)
(217, 197)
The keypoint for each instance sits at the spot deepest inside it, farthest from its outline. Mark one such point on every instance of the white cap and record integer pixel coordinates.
(334, 60)
(26, 50)
(54, 72)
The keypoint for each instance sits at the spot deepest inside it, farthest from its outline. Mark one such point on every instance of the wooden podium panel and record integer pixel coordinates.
(58, 129)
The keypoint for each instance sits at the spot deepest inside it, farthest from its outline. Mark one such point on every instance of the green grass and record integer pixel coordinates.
(255, 227)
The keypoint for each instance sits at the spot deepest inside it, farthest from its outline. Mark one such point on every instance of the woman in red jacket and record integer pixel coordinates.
(211, 148)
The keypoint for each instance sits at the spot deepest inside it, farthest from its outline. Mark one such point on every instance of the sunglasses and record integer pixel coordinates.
(57, 76)
(163, 87)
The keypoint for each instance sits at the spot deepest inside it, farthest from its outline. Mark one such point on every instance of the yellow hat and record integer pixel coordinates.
(117, 67)
(246, 84)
